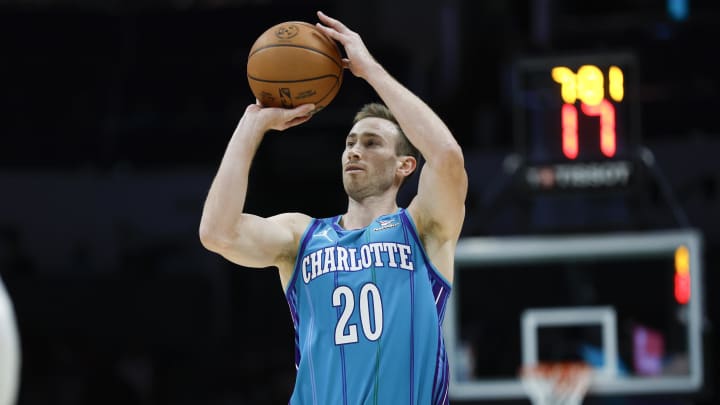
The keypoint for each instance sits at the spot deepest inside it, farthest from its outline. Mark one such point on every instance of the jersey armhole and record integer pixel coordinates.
(301, 248)
(413, 231)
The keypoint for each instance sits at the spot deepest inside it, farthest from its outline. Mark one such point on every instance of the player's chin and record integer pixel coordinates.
(353, 183)
(350, 177)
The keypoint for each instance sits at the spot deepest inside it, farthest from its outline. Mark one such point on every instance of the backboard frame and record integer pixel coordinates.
(478, 251)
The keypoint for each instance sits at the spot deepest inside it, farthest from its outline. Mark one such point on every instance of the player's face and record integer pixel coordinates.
(369, 161)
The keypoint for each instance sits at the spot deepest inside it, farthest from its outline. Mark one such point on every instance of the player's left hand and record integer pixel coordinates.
(358, 60)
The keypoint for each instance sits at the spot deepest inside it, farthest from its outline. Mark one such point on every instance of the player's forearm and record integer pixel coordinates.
(419, 122)
(225, 202)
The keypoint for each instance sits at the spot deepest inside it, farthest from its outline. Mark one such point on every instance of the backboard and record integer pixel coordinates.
(628, 304)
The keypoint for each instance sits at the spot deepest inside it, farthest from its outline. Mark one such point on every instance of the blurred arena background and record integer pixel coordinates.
(115, 115)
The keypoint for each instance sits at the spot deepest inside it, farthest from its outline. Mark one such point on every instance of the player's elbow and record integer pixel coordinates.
(212, 239)
(207, 238)
(449, 157)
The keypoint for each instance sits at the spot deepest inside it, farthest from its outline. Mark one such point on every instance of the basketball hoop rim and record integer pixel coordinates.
(564, 382)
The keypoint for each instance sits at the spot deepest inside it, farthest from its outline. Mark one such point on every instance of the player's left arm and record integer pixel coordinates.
(439, 207)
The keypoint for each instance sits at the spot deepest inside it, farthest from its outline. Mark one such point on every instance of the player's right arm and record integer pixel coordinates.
(225, 228)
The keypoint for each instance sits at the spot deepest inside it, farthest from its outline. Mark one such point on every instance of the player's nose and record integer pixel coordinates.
(353, 153)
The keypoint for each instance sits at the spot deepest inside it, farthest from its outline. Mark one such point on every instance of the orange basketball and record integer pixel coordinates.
(293, 63)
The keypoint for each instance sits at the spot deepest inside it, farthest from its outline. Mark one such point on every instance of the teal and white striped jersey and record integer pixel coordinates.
(367, 306)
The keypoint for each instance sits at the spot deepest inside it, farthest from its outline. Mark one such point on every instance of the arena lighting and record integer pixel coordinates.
(678, 9)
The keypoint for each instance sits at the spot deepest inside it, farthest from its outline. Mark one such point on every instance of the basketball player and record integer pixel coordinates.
(9, 350)
(366, 288)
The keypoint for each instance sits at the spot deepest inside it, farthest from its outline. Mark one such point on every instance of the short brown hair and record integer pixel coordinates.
(377, 110)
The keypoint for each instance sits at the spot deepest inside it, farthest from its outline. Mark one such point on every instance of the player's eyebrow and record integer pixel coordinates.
(353, 135)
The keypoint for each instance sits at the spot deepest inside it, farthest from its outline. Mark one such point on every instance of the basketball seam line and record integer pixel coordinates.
(292, 81)
(336, 85)
(296, 46)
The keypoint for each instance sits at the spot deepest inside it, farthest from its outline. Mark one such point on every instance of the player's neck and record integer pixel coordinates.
(361, 213)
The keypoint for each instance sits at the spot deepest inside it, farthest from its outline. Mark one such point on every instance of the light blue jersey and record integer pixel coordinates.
(367, 306)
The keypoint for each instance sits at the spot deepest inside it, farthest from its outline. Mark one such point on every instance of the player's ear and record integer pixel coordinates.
(408, 164)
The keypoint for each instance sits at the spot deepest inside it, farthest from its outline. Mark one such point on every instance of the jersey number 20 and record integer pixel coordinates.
(367, 291)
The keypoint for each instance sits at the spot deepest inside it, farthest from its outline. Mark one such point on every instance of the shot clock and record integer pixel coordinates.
(576, 121)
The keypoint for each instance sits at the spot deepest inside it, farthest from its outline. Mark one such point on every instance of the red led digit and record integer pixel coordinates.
(682, 288)
(606, 111)
(569, 131)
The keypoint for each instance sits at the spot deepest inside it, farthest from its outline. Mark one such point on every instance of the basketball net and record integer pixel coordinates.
(558, 383)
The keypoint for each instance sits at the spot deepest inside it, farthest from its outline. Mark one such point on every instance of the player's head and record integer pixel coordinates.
(377, 153)
(403, 145)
